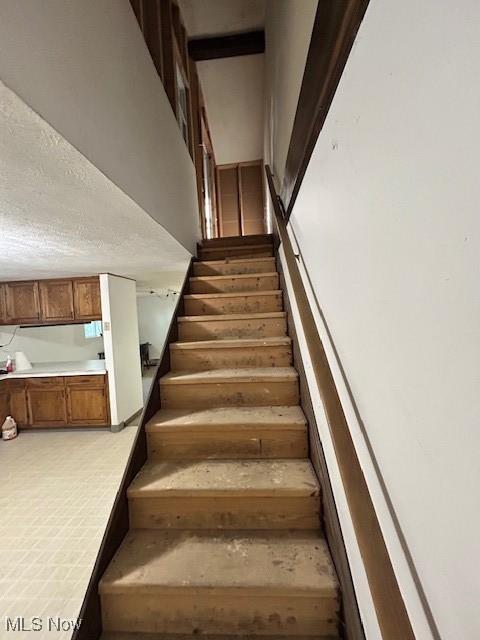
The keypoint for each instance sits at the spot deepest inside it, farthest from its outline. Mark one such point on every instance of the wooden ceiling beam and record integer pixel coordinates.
(240, 44)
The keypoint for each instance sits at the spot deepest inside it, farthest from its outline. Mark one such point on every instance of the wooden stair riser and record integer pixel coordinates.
(222, 328)
(234, 267)
(236, 241)
(232, 284)
(228, 394)
(224, 612)
(225, 512)
(213, 304)
(227, 444)
(259, 251)
(197, 359)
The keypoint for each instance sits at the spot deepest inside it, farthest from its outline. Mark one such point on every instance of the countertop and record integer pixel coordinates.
(46, 369)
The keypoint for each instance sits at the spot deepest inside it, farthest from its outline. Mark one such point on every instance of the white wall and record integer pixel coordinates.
(154, 315)
(288, 30)
(84, 67)
(234, 99)
(121, 340)
(50, 344)
(387, 222)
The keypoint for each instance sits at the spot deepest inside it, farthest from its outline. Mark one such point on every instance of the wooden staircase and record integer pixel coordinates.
(225, 536)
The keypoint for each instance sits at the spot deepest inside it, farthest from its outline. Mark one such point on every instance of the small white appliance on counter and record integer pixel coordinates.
(22, 363)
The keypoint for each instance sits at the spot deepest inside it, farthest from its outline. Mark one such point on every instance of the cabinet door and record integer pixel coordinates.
(4, 401)
(47, 406)
(56, 300)
(86, 299)
(3, 305)
(87, 400)
(22, 302)
(18, 401)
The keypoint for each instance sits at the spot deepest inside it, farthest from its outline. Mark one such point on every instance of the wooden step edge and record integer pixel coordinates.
(231, 343)
(273, 493)
(256, 428)
(238, 247)
(234, 294)
(219, 376)
(234, 260)
(232, 317)
(234, 276)
(331, 591)
(127, 635)
(238, 240)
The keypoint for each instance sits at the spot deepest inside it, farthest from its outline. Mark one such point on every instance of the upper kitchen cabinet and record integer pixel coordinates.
(22, 302)
(86, 299)
(56, 300)
(3, 305)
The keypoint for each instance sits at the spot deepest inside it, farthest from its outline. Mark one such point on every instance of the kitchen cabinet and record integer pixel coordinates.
(4, 402)
(87, 400)
(56, 300)
(46, 402)
(56, 401)
(18, 401)
(22, 302)
(86, 299)
(3, 305)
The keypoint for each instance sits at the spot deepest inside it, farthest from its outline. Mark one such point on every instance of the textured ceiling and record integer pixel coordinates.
(220, 17)
(60, 216)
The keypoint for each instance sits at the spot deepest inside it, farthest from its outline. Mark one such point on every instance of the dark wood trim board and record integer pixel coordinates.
(118, 524)
(240, 44)
(334, 31)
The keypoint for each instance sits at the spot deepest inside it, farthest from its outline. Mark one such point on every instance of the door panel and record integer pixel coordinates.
(229, 202)
(251, 199)
(47, 406)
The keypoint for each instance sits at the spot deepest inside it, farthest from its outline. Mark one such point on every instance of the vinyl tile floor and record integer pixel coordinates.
(57, 490)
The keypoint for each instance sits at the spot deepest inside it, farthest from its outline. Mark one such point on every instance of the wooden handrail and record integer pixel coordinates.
(389, 605)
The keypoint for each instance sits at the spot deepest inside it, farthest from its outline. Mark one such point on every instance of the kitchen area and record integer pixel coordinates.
(69, 352)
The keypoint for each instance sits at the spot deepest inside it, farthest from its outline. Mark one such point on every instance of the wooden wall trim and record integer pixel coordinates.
(117, 527)
(240, 44)
(350, 620)
(388, 602)
(335, 28)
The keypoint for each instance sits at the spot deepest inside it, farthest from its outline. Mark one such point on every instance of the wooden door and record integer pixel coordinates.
(56, 300)
(18, 401)
(251, 198)
(3, 305)
(87, 400)
(22, 301)
(86, 299)
(241, 199)
(46, 400)
(228, 201)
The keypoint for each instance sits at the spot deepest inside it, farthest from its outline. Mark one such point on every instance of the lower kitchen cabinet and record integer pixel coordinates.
(46, 402)
(56, 401)
(18, 401)
(87, 400)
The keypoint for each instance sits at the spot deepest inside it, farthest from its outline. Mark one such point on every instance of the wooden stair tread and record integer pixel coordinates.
(245, 247)
(233, 294)
(229, 343)
(235, 260)
(234, 276)
(224, 478)
(217, 376)
(119, 635)
(234, 316)
(219, 418)
(257, 238)
(260, 563)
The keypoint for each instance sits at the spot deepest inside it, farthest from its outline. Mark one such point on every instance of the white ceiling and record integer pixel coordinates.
(60, 216)
(222, 17)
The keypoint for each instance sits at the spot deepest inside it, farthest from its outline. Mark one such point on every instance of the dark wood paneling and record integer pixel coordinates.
(334, 30)
(251, 198)
(118, 524)
(169, 81)
(389, 605)
(228, 201)
(241, 44)
(151, 22)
